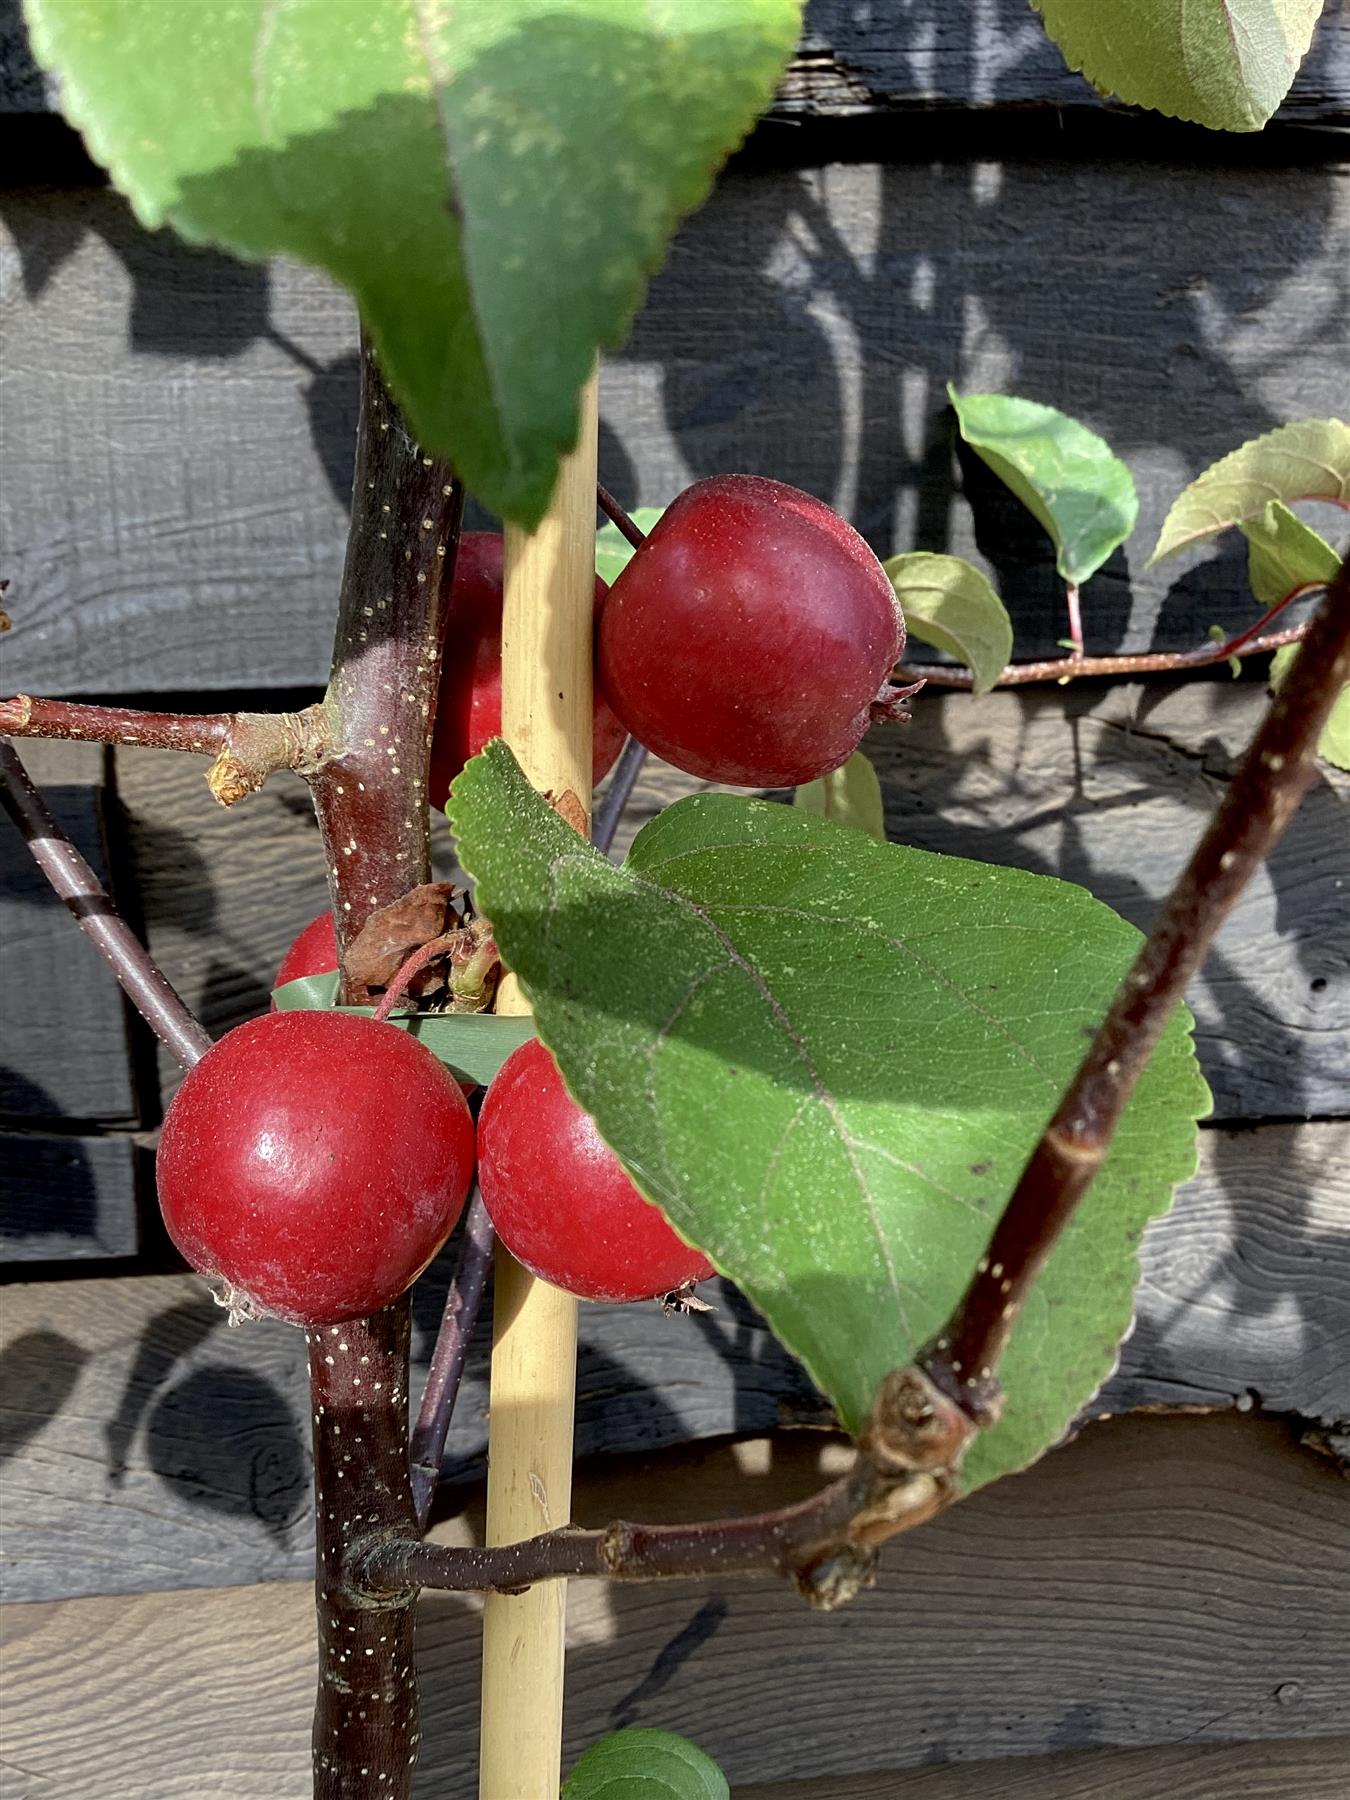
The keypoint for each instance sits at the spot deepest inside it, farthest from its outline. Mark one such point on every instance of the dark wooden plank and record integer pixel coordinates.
(64, 1048)
(1159, 1582)
(67, 1199)
(889, 59)
(864, 59)
(1316, 1770)
(1110, 787)
(195, 1438)
(177, 520)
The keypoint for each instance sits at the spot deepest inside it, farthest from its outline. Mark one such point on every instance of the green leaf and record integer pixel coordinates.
(1285, 554)
(613, 552)
(1308, 460)
(827, 1060)
(1223, 63)
(1334, 744)
(492, 182)
(1064, 474)
(849, 796)
(471, 1045)
(948, 603)
(642, 1764)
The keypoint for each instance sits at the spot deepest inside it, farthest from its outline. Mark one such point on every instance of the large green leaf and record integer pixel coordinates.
(641, 1764)
(1308, 460)
(827, 1059)
(1334, 744)
(1223, 63)
(613, 552)
(492, 180)
(948, 603)
(1284, 554)
(850, 795)
(1064, 474)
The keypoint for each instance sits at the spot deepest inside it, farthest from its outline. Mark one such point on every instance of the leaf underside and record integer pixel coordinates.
(1308, 460)
(827, 1059)
(850, 795)
(493, 181)
(1284, 554)
(950, 604)
(1064, 474)
(1227, 64)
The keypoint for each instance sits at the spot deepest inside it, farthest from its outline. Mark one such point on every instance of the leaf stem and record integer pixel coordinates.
(1064, 669)
(616, 515)
(247, 747)
(141, 978)
(634, 755)
(1279, 766)
(1075, 612)
(462, 1306)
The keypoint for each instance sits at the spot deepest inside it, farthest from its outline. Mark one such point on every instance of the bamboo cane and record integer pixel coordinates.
(546, 719)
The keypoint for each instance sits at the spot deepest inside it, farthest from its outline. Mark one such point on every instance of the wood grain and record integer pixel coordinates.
(67, 1198)
(190, 1438)
(64, 1044)
(1159, 1582)
(177, 520)
(1317, 1770)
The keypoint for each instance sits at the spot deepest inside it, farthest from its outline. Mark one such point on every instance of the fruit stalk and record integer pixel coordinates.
(547, 633)
(143, 982)
(462, 1305)
(370, 798)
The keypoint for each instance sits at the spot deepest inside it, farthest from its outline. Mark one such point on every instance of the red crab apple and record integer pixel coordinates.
(314, 952)
(469, 705)
(749, 638)
(559, 1197)
(314, 1162)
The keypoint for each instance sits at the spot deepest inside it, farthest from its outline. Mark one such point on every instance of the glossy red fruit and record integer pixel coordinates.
(315, 1162)
(469, 705)
(559, 1197)
(748, 637)
(314, 952)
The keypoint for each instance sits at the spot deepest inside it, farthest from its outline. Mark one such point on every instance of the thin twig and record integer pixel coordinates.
(1064, 669)
(462, 1305)
(634, 755)
(1279, 766)
(143, 982)
(247, 747)
(1237, 646)
(618, 794)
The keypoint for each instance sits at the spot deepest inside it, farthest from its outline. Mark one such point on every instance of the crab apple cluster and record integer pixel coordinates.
(469, 704)
(749, 639)
(314, 1162)
(559, 1198)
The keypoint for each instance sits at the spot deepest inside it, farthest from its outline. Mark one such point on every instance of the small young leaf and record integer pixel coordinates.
(471, 1045)
(613, 550)
(849, 796)
(641, 1764)
(827, 1060)
(1224, 63)
(948, 603)
(1334, 744)
(1284, 554)
(1064, 474)
(1308, 460)
(492, 182)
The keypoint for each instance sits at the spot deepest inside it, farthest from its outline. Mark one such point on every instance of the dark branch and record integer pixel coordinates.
(1064, 669)
(371, 799)
(1263, 796)
(462, 1305)
(247, 747)
(143, 982)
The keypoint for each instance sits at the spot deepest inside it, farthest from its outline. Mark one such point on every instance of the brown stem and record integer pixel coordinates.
(827, 1543)
(616, 515)
(370, 797)
(247, 747)
(634, 755)
(143, 982)
(1263, 796)
(462, 1306)
(1072, 668)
